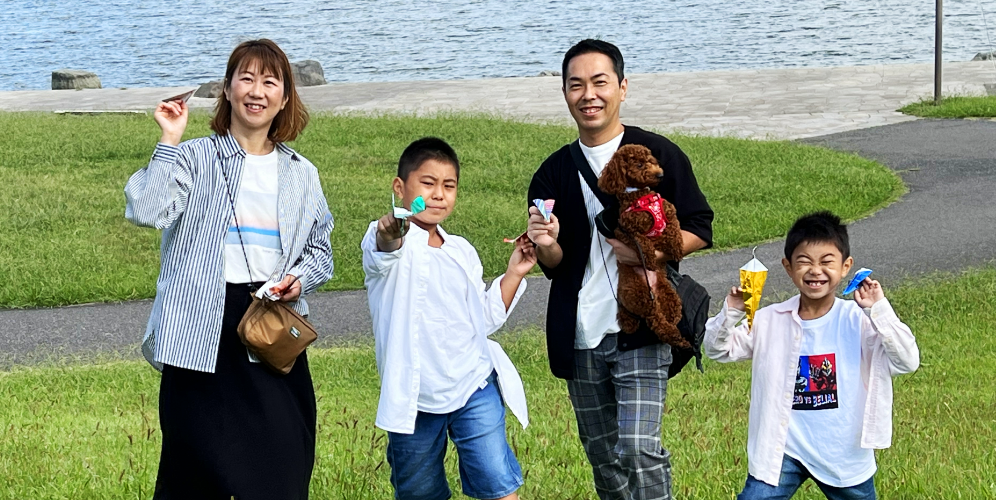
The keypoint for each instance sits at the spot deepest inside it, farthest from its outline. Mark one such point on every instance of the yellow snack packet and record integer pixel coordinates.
(752, 278)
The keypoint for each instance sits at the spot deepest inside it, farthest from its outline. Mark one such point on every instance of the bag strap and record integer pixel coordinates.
(589, 175)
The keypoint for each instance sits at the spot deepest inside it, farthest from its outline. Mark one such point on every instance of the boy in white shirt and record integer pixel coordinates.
(821, 381)
(431, 318)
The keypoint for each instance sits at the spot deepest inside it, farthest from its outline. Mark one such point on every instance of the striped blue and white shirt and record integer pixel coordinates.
(183, 192)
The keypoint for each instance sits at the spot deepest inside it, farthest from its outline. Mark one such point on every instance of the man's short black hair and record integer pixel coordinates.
(818, 227)
(589, 46)
(426, 148)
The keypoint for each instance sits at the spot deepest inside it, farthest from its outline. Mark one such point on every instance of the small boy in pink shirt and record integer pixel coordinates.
(821, 381)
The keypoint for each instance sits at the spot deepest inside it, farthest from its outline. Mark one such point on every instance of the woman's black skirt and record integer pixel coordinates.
(241, 431)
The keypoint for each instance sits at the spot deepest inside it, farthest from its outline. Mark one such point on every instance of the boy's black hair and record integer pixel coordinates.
(589, 46)
(426, 148)
(818, 227)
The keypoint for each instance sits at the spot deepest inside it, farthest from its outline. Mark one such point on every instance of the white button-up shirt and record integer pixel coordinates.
(888, 348)
(396, 291)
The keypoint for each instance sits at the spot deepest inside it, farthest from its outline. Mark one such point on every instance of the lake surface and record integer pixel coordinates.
(144, 43)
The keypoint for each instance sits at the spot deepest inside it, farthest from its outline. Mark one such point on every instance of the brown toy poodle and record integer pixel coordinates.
(647, 223)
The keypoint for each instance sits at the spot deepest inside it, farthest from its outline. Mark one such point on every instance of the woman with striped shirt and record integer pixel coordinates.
(238, 208)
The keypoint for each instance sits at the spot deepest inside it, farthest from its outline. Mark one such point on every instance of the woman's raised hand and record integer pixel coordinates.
(172, 119)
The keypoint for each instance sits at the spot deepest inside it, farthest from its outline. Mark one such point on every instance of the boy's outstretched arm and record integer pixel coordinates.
(884, 330)
(724, 340)
(519, 264)
(390, 233)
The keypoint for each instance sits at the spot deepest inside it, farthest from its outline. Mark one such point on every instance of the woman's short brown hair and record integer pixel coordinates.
(289, 121)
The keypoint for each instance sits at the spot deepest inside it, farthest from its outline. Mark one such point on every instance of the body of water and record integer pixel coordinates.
(143, 43)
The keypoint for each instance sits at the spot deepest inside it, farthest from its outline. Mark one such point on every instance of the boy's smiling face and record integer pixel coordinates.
(436, 182)
(816, 269)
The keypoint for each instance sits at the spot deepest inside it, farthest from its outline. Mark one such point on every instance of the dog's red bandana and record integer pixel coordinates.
(653, 204)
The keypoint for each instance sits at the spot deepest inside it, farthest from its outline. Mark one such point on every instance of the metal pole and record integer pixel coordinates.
(938, 43)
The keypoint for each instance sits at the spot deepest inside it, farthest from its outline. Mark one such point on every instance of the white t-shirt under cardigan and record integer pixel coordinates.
(597, 306)
(398, 294)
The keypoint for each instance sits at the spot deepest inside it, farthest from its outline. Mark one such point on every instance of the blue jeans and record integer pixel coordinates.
(793, 475)
(488, 468)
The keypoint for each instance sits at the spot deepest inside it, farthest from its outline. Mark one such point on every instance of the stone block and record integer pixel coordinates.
(69, 79)
(210, 90)
(308, 73)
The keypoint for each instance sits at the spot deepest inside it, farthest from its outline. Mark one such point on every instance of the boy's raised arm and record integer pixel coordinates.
(507, 289)
(724, 340)
(884, 330)
(522, 261)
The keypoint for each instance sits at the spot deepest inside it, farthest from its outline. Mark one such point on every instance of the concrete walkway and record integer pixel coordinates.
(944, 223)
(764, 103)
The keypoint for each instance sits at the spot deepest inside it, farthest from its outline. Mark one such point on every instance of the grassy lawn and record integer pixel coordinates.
(87, 432)
(953, 107)
(65, 239)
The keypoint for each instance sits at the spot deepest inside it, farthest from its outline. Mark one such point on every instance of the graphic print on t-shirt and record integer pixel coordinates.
(816, 383)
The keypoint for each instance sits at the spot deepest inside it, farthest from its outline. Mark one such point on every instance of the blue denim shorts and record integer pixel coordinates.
(793, 474)
(488, 468)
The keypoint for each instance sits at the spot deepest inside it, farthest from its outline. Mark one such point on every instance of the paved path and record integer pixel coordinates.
(764, 103)
(945, 222)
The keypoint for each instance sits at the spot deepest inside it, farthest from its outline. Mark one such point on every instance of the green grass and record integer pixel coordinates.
(65, 239)
(91, 432)
(953, 107)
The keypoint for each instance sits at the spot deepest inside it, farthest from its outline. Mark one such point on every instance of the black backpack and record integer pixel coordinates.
(694, 297)
(694, 313)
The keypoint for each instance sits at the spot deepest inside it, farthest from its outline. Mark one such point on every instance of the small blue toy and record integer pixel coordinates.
(859, 277)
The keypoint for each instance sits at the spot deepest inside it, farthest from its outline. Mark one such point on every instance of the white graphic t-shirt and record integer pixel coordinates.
(829, 403)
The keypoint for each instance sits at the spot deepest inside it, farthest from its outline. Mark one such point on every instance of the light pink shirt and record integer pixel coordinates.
(888, 348)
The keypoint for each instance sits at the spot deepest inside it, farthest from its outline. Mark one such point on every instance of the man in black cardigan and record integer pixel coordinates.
(617, 382)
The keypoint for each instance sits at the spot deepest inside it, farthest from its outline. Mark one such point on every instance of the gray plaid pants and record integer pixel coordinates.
(618, 398)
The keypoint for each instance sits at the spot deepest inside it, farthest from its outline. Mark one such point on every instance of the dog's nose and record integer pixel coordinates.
(660, 176)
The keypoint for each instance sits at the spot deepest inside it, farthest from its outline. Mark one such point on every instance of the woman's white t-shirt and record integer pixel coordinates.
(257, 211)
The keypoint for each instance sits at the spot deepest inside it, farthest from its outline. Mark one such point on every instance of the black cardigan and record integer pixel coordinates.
(557, 179)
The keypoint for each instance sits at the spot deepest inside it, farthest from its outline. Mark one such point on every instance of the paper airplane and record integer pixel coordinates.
(859, 277)
(418, 205)
(545, 207)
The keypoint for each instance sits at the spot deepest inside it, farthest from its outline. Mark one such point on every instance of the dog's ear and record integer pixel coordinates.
(613, 178)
